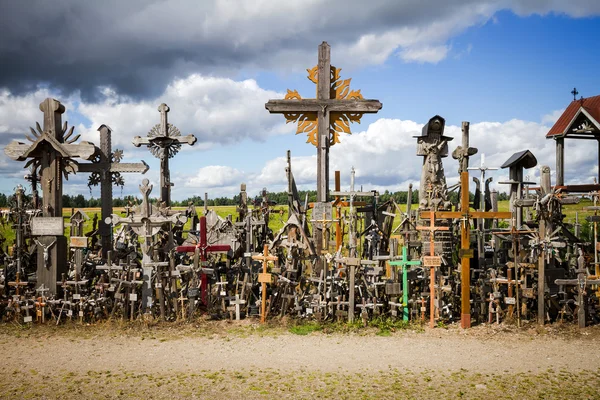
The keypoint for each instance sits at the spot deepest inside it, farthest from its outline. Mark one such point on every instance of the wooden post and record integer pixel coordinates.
(338, 214)
(323, 93)
(546, 188)
(560, 161)
(104, 170)
(465, 260)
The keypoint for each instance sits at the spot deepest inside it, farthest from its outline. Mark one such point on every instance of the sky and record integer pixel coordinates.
(507, 67)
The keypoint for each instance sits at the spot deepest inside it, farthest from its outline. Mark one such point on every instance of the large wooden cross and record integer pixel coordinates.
(52, 150)
(164, 141)
(465, 242)
(201, 250)
(325, 117)
(106, 169)
(264, 277)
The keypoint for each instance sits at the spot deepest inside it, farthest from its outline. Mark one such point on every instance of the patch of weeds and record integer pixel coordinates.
(306, 328)
(387, 325)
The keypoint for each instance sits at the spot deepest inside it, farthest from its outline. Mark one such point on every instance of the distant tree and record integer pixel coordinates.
(66, 199)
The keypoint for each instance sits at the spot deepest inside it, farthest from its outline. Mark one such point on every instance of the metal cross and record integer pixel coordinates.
(164, 141)
(574, 92)
(106, 169)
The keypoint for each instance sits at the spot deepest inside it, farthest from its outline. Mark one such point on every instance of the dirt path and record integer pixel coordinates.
(332, 365)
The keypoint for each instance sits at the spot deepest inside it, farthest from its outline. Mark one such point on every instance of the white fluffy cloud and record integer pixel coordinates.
(215, 110)
(384, 156)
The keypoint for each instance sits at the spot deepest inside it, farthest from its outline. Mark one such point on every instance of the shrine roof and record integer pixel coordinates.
(524, 158)
(590, 105)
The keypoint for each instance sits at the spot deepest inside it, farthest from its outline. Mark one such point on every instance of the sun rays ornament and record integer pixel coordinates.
(339, 121)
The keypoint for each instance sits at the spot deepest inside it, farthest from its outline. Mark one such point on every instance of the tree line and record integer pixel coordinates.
(279, 198)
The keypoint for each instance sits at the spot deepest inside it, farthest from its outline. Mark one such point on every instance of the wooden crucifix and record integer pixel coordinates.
(432, 261)
(325, 117)
(201, 250)
(264, 277)
(466, 252)
(404, 263)
(52, 150)
(164, 141)
(106, 169)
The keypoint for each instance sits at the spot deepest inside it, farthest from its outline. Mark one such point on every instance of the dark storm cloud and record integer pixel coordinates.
(137, 47)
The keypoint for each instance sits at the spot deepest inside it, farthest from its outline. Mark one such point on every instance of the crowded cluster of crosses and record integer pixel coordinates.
(341, 258)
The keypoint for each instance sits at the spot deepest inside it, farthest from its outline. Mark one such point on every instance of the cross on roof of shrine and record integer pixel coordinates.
(580, 120)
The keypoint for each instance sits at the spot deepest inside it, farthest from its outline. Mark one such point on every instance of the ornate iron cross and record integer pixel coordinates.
(164, 141)
(106, 169)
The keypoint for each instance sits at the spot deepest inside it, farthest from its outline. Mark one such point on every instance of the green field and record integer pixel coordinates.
(278, 216)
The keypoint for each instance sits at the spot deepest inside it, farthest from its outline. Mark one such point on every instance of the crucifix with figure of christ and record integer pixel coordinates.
(324, 118)
(106, 169)
(164, 141)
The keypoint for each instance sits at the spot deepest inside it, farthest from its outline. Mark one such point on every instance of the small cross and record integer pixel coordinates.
(263, 278)
(182, 299)
(237, 302)
(574, 92)
(404, 263)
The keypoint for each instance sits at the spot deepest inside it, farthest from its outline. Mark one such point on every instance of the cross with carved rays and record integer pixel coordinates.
(323, 118)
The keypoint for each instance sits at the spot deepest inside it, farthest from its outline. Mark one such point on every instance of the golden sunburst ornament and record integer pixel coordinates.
(339, 122)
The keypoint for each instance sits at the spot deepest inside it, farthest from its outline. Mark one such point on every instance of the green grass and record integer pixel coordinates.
(277, 218)
(304, 329)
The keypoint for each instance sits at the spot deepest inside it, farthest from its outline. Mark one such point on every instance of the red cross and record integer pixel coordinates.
(203, 249)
